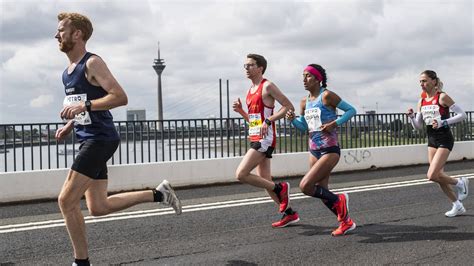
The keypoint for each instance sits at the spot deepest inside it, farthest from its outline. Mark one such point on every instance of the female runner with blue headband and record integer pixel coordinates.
(318, 117)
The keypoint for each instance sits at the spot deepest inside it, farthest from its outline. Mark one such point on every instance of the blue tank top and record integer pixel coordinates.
(97, 125)
(317, 114)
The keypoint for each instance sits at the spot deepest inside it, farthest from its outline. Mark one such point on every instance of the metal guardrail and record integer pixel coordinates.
(26, 147)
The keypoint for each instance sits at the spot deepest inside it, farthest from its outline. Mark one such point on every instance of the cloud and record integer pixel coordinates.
(373, 51)
(42, 101)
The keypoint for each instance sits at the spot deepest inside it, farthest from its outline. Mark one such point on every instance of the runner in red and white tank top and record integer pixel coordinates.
(260, 99)
(434, 110)
(258, 112)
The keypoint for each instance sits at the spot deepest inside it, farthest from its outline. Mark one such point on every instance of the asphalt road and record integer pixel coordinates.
(399, 215)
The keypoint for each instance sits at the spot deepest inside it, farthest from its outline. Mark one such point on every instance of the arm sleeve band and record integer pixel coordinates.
(416, 121)
(459, 117)
(349, 112)
(300, 123)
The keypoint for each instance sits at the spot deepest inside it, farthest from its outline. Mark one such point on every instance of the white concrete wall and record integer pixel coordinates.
(29, 185)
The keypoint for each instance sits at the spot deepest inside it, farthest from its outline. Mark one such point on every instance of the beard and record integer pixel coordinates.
(66, 46)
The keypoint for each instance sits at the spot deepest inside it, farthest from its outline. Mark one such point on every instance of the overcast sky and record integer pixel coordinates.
(373, 51)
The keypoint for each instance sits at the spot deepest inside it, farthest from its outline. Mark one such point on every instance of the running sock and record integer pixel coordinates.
(289, 211)
(157, 196)
(330, 206)
(323, 193)
(82, 262)
(457, 203)
(460, 183)
(327, 197)
(277, 189)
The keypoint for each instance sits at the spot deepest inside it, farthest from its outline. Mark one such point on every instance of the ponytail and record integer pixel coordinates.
(439, 85)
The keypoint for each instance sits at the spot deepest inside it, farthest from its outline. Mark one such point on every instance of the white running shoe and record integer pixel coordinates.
(455, 211)
(169, 196)
(463, 191)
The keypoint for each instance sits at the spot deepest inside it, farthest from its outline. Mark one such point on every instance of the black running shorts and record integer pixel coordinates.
(441, 140)
(92, 158)
(319, 153)
(256, 145)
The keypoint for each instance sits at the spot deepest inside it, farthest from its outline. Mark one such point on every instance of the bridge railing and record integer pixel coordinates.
(33, 146)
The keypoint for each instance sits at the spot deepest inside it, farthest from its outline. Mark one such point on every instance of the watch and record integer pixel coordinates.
(268, 122)
(88, 105)
(444, 123)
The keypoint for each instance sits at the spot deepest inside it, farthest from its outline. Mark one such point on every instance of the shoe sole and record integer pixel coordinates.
(285, 225)
(348, 230)
(457, 214)
(351, 228)
(168, 186)
(288, 196)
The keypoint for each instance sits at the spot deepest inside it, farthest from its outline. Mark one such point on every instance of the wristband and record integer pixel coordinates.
(268, 122)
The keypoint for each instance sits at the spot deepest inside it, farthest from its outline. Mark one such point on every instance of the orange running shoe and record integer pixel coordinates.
(342, 207)
(286, 220)
(344, 227)
(284, 196)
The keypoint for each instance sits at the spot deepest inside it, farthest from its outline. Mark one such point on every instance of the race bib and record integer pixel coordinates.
(430, 112)
(313, 119)
(255, 124)
(84, 117)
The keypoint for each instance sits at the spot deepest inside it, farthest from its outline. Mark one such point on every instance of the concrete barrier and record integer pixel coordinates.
(44, 184)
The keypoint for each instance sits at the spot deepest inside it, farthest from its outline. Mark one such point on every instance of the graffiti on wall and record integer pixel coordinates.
(357, 156)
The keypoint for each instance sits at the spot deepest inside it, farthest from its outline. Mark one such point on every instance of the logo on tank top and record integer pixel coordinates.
(70, 90)
(254, 108)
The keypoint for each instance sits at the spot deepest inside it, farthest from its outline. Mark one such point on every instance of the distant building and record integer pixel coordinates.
(371, 120)
(136, 114)
(370, 112)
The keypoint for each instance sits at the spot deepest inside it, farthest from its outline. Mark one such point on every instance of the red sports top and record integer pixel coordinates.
(433, 110)
(258, 111)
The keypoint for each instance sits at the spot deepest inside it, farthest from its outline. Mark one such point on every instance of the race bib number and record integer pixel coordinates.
(313, 119)
(84, 117)
(255, 124)
(430, 112)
